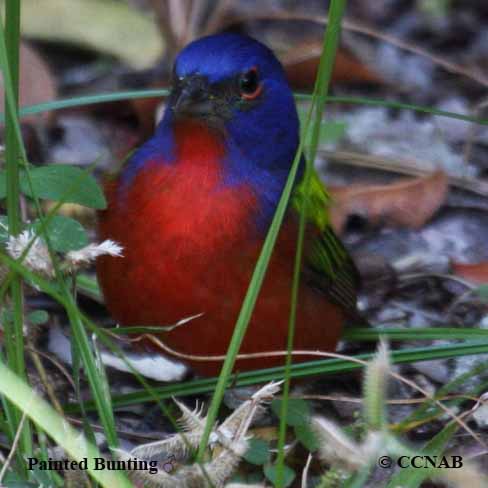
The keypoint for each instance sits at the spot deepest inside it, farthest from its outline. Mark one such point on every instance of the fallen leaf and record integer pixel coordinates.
(36, 83)
(406, 203)
(302, 62)
(477, 273)
(108, 26)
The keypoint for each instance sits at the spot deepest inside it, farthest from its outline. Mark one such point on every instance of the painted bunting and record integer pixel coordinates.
(193, 205)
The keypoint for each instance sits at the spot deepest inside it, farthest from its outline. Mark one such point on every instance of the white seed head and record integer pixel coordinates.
(91, 252)
(37, 257)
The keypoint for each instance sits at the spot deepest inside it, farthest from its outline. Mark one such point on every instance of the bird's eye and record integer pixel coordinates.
(249, 84)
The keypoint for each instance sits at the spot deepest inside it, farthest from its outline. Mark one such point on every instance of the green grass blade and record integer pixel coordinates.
(92, 100)
(404, 334)
(14, 336)
(329, 49)
(155, 93)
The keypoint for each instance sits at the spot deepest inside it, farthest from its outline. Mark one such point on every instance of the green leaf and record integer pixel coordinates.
(258, 452)
(38, 317)
(65, 234)
(288, 474)
(307, 437)
(64, 183)
(298, 411)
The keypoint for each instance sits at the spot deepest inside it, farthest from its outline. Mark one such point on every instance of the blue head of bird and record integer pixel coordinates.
(236, 85)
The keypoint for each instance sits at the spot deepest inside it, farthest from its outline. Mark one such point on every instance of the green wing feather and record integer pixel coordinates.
(329, 266)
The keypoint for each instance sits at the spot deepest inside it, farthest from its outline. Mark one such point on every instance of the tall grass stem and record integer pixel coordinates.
(14, 338)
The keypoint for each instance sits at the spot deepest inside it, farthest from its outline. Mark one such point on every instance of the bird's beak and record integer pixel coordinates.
(191, 98)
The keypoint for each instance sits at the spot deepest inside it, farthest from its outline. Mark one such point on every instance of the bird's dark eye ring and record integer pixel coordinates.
(249, 84)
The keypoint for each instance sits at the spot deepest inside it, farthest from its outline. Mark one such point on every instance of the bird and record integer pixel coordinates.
(192, 206)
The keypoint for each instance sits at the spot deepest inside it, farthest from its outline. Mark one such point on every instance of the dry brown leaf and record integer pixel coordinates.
(37, 84)
(477, 273)
(406, 203)
(301, 65)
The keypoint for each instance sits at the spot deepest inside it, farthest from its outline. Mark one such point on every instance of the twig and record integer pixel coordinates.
(44, 379)
(56, 363)
(409, 401)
